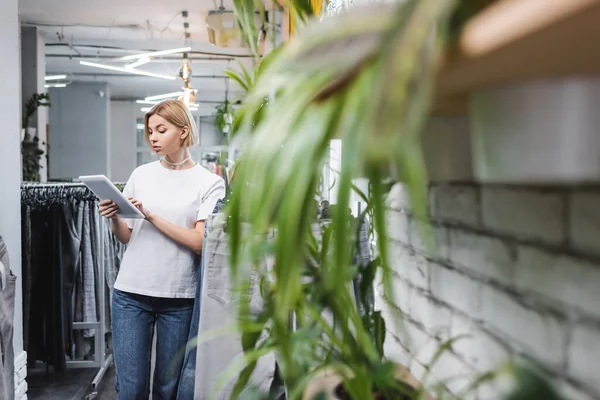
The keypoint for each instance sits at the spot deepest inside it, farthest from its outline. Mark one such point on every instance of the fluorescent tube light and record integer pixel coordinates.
(156, 53)
(54, 77)
(55, 85)
(139, 62)
(129, 70)
(146, 102)
(163, 96)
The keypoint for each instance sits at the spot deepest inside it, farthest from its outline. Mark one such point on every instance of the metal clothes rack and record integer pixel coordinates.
(101, 360)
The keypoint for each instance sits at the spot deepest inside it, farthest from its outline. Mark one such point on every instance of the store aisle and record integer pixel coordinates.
(72, 385)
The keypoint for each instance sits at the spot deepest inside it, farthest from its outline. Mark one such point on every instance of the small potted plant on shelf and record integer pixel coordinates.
(223, 117)
(30, 148)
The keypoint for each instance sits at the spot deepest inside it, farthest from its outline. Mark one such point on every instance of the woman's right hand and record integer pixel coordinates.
(108, 209)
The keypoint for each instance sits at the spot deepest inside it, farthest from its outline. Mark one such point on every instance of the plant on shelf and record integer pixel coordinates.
(30, 150)
(365, 76)
(223, 117)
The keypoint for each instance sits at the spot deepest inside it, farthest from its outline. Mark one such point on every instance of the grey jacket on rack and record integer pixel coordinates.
(218, 312)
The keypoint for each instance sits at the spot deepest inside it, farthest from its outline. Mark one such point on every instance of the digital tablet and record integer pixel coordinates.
(105, 189)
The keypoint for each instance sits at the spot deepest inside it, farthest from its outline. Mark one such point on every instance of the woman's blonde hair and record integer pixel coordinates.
(176, 113)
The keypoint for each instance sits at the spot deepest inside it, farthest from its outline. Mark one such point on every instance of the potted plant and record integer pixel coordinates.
(35, 101)
(332, 82)
(30, 149)
(223, 117)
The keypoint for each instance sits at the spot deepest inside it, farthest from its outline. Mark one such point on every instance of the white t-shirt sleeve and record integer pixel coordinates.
(128, 191)
(215, 192)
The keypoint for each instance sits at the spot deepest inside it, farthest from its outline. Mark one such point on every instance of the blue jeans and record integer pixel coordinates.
(134, 318)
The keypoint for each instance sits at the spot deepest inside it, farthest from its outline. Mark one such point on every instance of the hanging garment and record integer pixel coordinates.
(50, 279)
(7, 311)
(85, 294)
(218, 311)
(188, 371)
(113, 254)
(26, 268)
(61, 255)
(362, 259)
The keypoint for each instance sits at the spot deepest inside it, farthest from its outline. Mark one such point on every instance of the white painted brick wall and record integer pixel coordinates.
(420, 344)
(456, 374)
(435, 319)
(21, 376)
(584, 220)
(517, 271)
(455, 289)
(540, 335)
(408, 264)
(573, 393)
(525, 212)
(584, 356)
(394, 351)
(456, 203)
(429, 240)
(478, 348)
(490, 257)
(397, 224)
(398, 199)
(561, 278)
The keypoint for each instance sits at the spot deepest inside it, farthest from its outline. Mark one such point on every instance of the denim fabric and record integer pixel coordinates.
(362, 258)
(218, 310)
(7, 311)
(85, 294)
(113, 253)
(134, 318)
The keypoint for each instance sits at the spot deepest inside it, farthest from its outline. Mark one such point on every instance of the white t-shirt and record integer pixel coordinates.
(153, 264)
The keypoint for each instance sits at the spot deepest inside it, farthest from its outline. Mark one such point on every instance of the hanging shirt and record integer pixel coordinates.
(153, 264)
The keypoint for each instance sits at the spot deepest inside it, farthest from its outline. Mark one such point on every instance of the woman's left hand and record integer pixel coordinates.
(140, 207)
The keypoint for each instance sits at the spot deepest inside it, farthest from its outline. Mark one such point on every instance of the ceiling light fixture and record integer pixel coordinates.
(147, 109)
(156, 53)
(139, 62)
(185, 72)
(163, 96)
(55, 85)
(128, 70)
(188, 93)
(54, 77)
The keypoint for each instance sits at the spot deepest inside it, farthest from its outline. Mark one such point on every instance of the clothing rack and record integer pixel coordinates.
(101, 360)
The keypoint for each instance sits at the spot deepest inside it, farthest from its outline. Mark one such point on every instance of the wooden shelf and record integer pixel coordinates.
(518, 40)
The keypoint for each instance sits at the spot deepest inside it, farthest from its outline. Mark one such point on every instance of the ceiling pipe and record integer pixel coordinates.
(128, 76)
(169, 59)
(133, 99)
(119, 49)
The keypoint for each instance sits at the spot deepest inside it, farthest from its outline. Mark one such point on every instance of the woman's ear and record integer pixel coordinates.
(185, 132)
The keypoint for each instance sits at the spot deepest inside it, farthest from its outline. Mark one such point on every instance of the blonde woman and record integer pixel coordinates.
(157, 280)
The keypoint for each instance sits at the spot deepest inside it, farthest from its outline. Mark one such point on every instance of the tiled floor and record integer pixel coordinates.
(74, 385)
(106, 389)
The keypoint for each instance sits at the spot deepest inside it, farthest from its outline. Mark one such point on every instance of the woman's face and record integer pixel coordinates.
(165, 137)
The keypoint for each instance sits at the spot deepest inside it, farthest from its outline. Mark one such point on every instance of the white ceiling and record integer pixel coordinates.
(77, 30)
(138, 19)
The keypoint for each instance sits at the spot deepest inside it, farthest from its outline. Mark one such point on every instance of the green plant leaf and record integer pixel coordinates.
(531, 384)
